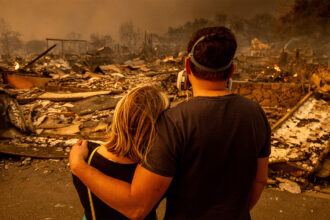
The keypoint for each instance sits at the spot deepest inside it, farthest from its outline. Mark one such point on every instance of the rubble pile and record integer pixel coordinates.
(320, 78)
(301, 143)
(296, 62)
(72, 105)
(48, 106)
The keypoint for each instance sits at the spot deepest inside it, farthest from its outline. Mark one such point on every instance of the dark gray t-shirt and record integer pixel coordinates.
(210, 146)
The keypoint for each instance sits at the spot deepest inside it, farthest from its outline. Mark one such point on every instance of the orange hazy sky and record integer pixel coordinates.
(38, 19)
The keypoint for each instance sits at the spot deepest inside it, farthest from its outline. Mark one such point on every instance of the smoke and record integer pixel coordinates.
(38, 19)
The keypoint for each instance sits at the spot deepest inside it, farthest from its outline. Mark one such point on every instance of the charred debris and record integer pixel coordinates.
(49, 101)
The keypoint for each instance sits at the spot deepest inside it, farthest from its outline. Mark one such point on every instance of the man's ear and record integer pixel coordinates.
(187, 65)
(231, 71)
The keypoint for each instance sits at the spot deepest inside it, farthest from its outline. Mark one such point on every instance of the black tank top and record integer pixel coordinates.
(123, 172)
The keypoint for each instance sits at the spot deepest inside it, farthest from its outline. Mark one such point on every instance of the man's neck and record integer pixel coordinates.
(210, 92)
(209, 88)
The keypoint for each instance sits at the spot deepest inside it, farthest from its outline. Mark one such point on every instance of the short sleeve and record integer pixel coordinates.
(266, 131)
(162, 158)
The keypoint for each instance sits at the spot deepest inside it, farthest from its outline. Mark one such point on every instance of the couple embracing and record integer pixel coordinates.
(208, 156)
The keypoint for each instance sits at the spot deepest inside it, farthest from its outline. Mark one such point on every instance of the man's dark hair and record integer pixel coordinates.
(215, 50)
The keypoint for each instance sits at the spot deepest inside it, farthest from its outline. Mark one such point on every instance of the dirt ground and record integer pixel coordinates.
(43, 189)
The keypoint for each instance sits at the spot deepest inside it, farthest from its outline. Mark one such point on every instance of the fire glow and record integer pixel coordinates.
(277, 68)
(16, 65)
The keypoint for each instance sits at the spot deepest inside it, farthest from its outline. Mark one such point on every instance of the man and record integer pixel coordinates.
(211, 152)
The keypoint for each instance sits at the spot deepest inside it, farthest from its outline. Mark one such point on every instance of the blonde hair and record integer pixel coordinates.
(133, 125)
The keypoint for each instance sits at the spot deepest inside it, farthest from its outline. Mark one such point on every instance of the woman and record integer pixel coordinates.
(132, 132)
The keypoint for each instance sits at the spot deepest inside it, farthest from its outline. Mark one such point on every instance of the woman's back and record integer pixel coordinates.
(120, 171)
(131, 133)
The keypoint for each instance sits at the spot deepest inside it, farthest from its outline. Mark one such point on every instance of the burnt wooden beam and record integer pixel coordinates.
(290, 113)
(38, 57)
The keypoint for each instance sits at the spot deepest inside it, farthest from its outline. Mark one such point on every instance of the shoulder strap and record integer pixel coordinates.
(89, 192)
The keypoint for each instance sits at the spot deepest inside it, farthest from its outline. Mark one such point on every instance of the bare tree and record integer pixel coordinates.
(97, 40)
(129, 36)
(9, 40)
